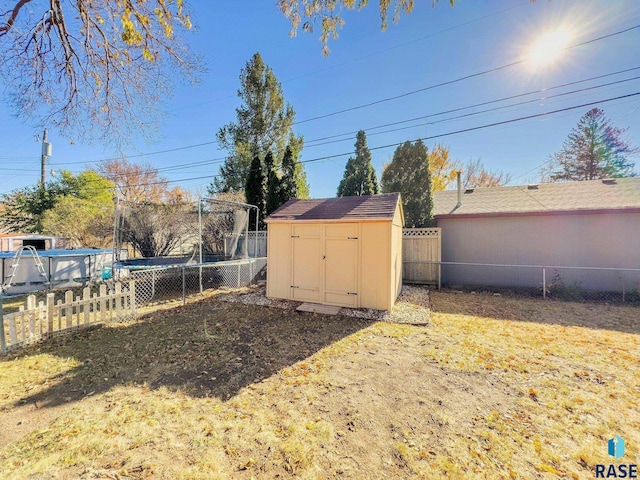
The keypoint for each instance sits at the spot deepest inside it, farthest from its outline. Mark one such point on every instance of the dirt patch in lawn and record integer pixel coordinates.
(228, 390)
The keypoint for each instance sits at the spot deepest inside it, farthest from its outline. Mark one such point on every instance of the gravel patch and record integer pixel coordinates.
(412, 306)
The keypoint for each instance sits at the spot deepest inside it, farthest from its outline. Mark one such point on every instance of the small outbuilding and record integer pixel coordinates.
(343, 251)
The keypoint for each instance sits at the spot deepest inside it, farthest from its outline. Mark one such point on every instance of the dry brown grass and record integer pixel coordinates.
(493, 387)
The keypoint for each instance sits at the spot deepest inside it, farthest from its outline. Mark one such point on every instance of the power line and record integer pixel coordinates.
(372, 54)
(307, 143)
(450, 82)
(144, 154)
(431, 137)
(480, 127)
(457, 117)
(511, 97)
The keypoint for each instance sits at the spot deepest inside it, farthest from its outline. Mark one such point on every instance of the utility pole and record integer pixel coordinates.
(46, 153)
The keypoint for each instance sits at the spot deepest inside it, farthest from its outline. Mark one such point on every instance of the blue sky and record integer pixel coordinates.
(428, 47)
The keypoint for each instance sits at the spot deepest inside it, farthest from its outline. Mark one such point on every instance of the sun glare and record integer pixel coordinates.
(548, 48)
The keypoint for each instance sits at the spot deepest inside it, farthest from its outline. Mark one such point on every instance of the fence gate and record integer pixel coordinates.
(420, 247)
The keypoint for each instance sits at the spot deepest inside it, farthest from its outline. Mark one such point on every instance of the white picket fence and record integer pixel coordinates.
(34, 322)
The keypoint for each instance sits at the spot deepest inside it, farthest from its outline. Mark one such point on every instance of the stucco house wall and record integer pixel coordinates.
(574, 224)
(606, 240)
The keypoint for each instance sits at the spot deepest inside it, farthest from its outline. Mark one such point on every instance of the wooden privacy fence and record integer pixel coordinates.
(33, 322)
(421, 253)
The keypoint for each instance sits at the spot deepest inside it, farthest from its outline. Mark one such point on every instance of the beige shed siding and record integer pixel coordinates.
(306, 264)
(341, 260)
(375, 267)
(344, 252)
(279, 260)
(396, 254)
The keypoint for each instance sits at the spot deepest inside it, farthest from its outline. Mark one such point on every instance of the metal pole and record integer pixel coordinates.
(246, 236)
(544, 283)
(114, 255)
(184, 289)
(43, 162)
(3, 340)
(200, 230)
(255, 247)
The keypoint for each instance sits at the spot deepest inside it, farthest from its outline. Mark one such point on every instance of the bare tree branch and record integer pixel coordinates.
(12, 19)
(98, 70)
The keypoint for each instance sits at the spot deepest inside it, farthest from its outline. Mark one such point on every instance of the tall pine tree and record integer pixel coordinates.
(408, 173)
(274, 195)
(359, 175)
(255, 188)
(289, 169)
(594, 149)
(264, 122)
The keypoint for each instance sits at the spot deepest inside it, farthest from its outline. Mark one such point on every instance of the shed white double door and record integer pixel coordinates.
(325, 259)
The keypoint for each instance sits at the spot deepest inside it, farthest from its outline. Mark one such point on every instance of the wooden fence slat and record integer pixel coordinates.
(41, 313)
(68, 311)
(59, 314)
(23, 329)
(50, 312)
(94, 307)
(31, 306)
(86, 307)
(13, 334)
(103, 303)
(118, 297)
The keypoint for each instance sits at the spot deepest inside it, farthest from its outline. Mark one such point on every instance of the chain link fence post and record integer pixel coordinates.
(184, 289)
(200, 261)
(3, 340)
(544, 283)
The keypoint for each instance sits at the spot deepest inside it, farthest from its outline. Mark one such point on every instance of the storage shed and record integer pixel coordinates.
(343, 251)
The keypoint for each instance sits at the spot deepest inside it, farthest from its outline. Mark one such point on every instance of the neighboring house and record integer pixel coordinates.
(592, 223)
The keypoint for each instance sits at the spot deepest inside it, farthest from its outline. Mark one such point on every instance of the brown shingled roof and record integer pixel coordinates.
(366, 207)
(588, 195)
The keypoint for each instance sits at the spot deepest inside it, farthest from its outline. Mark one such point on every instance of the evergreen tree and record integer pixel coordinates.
(594, 149)
(408, 173)
(255, 188)
(289, 169)
(263, 123)
(273, 192)
(359, 175)
(299, 175)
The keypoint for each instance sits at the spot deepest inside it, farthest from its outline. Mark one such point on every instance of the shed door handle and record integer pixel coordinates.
(323, 257)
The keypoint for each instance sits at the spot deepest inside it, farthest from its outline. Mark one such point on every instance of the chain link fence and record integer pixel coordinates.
(570, 283)
(170, 283)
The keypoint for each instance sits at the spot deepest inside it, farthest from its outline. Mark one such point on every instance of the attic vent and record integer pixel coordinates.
(609, 181)
(532, 186)
(469, 190)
